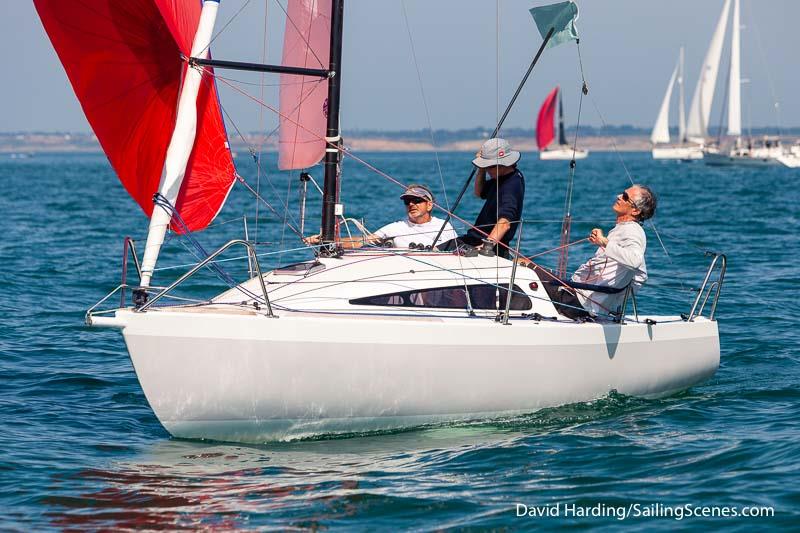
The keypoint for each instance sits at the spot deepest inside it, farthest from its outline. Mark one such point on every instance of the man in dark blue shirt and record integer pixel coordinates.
(504, 193)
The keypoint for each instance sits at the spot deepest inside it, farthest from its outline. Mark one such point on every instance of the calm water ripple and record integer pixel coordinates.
(82, 450)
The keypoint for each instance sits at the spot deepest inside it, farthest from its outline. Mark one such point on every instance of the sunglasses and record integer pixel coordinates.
(627, 199)
(414, 200)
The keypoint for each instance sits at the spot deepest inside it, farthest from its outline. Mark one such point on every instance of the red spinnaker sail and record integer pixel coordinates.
(304, 99)
(123, 59)
(545, 132)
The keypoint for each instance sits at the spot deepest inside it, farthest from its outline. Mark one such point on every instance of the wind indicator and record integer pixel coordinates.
(561, 17)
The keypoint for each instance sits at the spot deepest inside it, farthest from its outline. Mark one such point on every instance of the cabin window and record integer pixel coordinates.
(300, 269)
(481, 296)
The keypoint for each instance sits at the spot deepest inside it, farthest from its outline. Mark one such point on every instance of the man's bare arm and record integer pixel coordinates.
(500, 229)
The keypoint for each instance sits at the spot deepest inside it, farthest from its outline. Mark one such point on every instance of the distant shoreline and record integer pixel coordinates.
(629, 140)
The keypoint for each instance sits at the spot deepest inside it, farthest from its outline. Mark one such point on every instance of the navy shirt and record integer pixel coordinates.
(505, 203)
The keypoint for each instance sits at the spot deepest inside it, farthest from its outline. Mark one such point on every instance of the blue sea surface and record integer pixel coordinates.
(80, 448)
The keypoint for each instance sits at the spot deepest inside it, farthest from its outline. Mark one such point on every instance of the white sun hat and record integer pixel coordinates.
(496, 152)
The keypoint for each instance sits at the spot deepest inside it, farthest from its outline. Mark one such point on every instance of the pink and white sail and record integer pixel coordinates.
(303, 99)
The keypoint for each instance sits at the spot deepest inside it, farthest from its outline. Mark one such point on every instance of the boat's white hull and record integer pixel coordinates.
(241, 376)
(791, 160)
(730, 159)
(562, 154)
(684, 153)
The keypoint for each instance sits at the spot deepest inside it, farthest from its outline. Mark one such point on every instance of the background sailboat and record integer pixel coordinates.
(660, 135)
(767, 150)
(545, 131)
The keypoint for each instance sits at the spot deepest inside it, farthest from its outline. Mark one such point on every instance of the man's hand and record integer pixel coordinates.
(597, 237)
(313, 239)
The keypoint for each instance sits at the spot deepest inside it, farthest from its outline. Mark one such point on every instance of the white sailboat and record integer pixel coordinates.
(350, 340)
(765, 151)
(660, 135)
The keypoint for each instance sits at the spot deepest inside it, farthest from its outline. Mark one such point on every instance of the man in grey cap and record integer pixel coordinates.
(417, 230)
(504, 193)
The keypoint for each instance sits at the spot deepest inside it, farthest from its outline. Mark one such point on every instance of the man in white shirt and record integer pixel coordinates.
(417, 230)
(598, 286)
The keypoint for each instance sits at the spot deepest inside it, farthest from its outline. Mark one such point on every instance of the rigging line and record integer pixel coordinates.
(770, 82)
(160, 201)
(497, 119)
(557, 248)
(259, 197)
(256, 159)
(262, 140)
(566, 226)
(349, 153)
(254, 84)
(224, 27)
(430, 127)
(229, 259)
(424, 102)
(285, 218)
(301, 34)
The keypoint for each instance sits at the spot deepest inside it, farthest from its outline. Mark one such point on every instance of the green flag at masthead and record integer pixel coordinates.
(561, 17)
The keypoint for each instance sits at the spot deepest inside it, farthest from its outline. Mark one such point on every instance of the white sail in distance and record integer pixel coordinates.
(734, 94)
(700, 108)
(681, 101)
(660, 132)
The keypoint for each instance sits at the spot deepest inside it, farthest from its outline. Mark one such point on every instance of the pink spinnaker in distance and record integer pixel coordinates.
(545, 131)
(303, 99)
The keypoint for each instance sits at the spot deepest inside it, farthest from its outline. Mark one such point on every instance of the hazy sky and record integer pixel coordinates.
(471, 55)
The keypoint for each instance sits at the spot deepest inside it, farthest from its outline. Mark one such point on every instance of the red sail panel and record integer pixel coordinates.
(123, 60)
(545, 132)
(304, 99)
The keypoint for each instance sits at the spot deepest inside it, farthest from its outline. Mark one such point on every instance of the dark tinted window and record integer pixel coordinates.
(481, 296)
(300, 269)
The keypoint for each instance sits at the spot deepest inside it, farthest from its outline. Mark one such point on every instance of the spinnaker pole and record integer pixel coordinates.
(495, 132)
(180, 146)
(332, 137)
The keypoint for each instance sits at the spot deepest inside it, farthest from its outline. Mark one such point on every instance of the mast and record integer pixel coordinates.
(681, 102)
(562, 138)
(333, 138)
(734, 81)
(180, 146)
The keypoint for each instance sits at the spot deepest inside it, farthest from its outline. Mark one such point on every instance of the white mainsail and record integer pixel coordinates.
(700, 109)
(180, 146)
(734, 94)
(660, 132)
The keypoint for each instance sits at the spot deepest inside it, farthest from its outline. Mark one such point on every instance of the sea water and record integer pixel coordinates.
(81, 449)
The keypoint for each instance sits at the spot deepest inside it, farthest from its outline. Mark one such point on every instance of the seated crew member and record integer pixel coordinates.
(418, 228)
(617, 263)
(503, 193)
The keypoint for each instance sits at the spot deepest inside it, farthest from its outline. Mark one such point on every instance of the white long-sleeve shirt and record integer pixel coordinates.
(618, 264)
